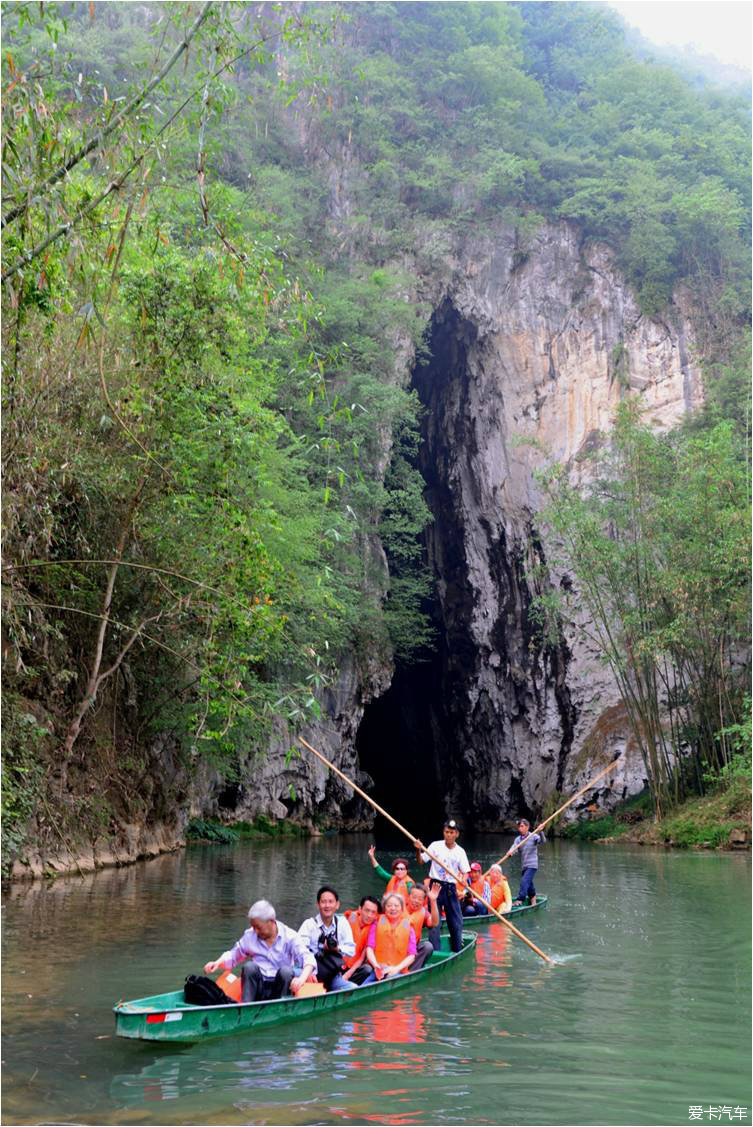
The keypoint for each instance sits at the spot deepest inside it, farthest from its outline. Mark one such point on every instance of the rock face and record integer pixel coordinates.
(530, 354)
(531, 350)
(298, 786)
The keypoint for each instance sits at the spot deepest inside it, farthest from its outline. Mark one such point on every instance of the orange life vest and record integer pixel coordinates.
(501, 893)
(392, 942)
(417, 921)
(400, 886)
(478, 886)
(360, 935)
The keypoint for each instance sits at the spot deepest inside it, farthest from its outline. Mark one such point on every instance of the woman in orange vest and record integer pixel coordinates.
(501, 895)
(399, 881)
(391, 946)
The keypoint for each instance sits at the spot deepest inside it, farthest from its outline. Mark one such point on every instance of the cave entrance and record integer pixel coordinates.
(408, 737)
(399, 744)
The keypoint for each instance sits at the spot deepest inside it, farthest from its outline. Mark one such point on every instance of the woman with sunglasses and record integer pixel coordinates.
(398, 880)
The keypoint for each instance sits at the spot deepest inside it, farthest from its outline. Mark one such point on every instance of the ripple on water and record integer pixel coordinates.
(646, 1013)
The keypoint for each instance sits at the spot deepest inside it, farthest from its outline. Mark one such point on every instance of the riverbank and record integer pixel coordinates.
(717, 821)
(141, 843)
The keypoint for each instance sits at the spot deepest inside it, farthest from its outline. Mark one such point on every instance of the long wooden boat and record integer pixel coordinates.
(167, 1017)
(479, 921)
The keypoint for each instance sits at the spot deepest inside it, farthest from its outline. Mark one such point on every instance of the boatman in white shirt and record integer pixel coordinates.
(453, 868)
(273, 950)
(329, 938)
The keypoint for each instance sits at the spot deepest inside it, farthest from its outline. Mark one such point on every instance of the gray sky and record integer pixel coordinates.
(713, 27)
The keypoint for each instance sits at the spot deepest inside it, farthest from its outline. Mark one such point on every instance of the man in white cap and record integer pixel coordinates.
(450, 868)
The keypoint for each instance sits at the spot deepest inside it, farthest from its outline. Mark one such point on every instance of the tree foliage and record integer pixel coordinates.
(203, 438)
(658, 545)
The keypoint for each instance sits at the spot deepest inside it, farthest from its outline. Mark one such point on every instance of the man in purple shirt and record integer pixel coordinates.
(273, 950)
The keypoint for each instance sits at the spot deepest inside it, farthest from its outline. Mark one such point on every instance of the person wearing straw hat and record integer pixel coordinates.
(450, 868)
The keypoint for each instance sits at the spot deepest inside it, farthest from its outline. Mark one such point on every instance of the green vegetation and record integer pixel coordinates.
(470, 113)
(215, 832)
(716, 821)
(207, 278)
(658, 543)
(22, 772)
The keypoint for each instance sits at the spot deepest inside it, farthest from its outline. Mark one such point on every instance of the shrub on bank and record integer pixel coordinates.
(713, 822)
(211, 830)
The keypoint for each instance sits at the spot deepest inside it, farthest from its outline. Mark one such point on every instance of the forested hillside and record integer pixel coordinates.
(213, 217)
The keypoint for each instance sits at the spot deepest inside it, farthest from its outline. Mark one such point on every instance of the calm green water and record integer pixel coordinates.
(648, 1015)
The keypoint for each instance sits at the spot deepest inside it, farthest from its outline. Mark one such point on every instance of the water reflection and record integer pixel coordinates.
(652, 1015)
(492, 966)
(267, 1063)
(400, 1024)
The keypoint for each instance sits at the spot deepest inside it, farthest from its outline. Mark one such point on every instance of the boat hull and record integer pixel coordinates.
(514, 914)
(166, 1017)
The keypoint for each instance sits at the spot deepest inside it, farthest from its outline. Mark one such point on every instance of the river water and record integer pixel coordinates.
(646, 1016)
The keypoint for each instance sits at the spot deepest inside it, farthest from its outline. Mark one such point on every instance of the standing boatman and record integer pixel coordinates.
(452, 869)
(529, 860)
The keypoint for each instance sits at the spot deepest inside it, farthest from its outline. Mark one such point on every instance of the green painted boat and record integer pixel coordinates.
(166, 1017)
(480, 921)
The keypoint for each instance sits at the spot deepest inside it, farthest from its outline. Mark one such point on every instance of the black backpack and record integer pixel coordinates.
(202, 991)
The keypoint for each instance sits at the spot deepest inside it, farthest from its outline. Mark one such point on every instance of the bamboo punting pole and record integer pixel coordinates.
(539, 828)
(413, 838)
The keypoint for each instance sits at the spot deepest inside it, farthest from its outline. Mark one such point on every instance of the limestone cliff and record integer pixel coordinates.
(536, 346)
(530, 352)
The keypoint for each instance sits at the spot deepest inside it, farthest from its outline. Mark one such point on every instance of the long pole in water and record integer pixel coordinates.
(413, 838)
(539, 828)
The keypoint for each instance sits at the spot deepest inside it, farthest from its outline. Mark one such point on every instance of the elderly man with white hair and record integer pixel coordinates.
(273, 951)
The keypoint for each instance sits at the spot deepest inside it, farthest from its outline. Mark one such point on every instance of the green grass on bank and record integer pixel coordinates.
(716, 821)
(213, 831)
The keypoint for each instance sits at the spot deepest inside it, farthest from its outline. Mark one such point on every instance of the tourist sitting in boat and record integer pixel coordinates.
(423, 912)
(399, 879)
(391, 946)
(273, 951)
(501, 895)
(330, 940)
(357, 970)
(476, 881)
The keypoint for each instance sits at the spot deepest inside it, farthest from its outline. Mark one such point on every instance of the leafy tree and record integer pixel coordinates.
(657, 543)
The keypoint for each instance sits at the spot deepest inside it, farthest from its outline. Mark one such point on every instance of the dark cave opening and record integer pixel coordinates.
(399, 745)
(406, 739)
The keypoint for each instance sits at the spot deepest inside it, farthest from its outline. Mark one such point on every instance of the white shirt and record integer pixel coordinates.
(311, 929)
(454, 862)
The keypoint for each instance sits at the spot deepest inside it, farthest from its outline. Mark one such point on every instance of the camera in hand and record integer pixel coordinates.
(329, 960)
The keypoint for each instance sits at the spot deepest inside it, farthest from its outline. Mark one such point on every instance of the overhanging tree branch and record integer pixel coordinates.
(117, 184)
(119, 118)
